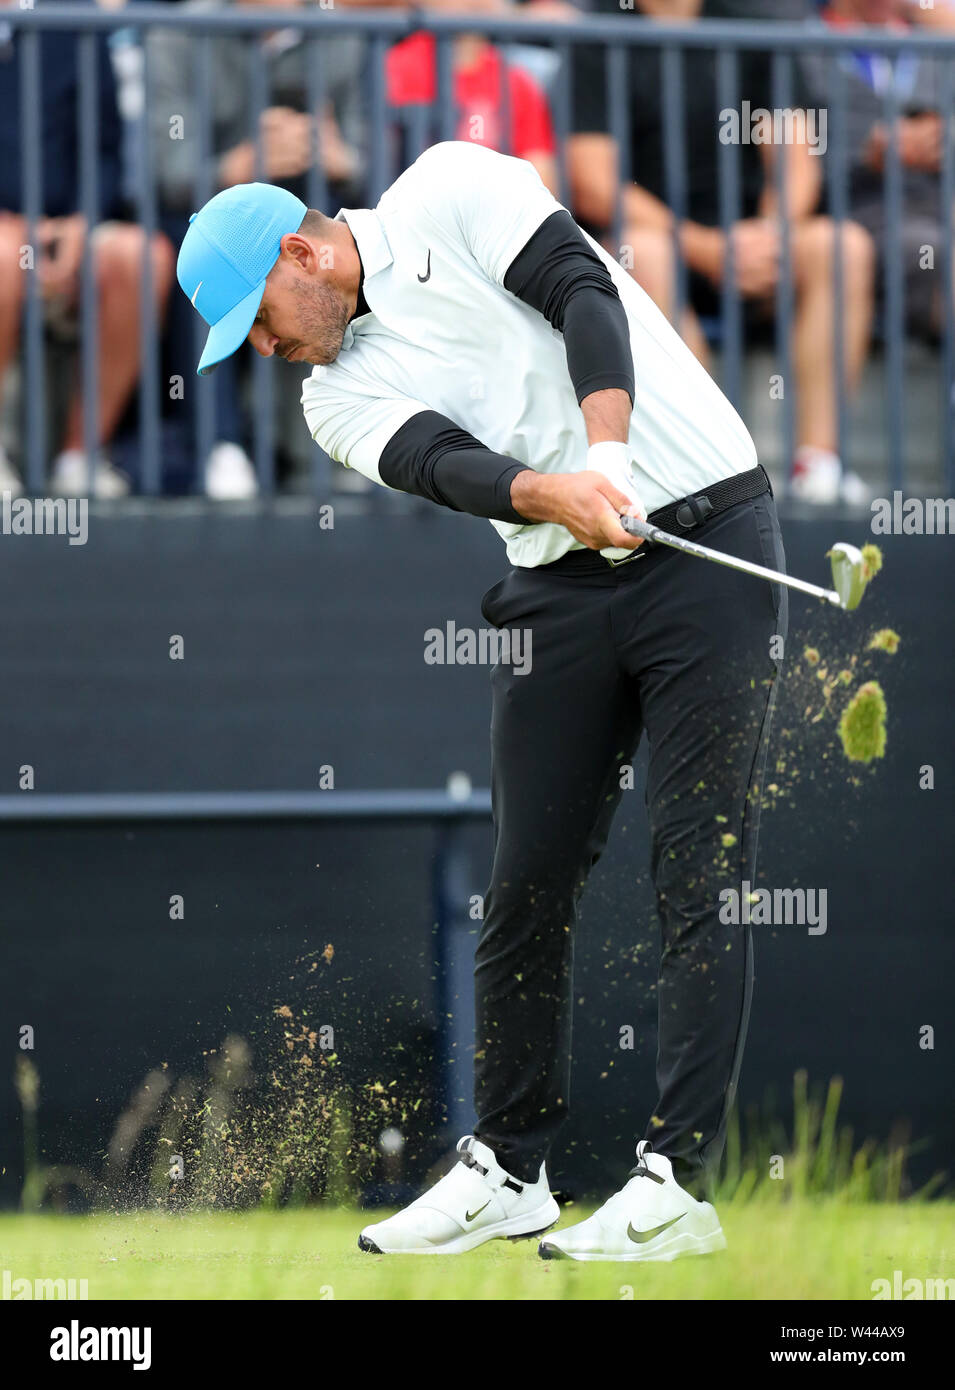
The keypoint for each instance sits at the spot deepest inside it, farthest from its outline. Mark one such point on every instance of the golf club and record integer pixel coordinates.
(847, 565)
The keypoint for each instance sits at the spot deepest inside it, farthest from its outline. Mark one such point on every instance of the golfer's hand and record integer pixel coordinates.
(587, 504)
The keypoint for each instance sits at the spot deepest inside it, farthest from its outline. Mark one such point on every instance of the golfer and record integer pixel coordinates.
(473, 346)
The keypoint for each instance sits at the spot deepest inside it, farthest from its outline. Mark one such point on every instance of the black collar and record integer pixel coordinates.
(362, 305)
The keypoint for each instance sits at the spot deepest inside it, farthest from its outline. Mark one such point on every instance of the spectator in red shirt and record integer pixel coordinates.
(482, 99)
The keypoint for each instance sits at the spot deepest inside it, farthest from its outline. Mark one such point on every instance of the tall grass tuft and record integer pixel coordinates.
(819, 1158)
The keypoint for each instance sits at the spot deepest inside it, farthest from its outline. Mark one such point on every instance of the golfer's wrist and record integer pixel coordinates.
(533, 495)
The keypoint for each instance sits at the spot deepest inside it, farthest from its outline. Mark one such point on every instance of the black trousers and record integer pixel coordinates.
(683, 650)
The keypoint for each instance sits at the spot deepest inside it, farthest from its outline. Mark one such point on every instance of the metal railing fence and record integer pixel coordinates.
(727, 40)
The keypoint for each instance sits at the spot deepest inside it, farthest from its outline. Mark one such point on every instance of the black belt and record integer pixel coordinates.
(688, 512)
(676, 517)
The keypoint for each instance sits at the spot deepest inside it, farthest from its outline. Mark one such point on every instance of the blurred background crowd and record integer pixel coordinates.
(505, 95)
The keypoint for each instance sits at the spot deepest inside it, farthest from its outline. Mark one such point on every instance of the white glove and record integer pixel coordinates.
(613, 460)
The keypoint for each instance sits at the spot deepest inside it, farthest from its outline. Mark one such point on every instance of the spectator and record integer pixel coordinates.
(920, 132)
(940, 15)
(816, 469)
(289, 132)
(61, 237)
(483, 102)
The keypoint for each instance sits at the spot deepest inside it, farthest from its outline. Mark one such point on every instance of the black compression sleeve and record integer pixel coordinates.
(560, 275)
(433, 457)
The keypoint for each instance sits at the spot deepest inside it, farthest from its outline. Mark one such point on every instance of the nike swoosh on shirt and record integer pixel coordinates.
(427, 274)
(470, 1215)
(641, 1237)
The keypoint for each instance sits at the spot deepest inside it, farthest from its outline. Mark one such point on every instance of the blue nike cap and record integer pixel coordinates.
(228, 250)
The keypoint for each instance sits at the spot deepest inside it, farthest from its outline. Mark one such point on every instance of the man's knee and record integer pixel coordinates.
(815, 244)
(14, 260)
(119, 252)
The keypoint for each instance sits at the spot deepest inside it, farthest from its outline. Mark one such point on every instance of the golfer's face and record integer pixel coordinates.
(276, 330)
(300, 318)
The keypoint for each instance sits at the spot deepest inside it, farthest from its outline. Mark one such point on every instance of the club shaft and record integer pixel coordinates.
(653, 533)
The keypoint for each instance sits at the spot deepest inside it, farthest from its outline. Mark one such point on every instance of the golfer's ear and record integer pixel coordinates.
(299, 249)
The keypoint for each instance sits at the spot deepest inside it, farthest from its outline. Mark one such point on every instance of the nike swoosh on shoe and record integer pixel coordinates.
(641, 1237)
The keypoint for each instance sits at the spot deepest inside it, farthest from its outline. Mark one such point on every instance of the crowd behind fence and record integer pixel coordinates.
(783, 185)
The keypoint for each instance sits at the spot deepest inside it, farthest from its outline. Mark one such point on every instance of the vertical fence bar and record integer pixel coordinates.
(149, 407)
(417, 126)
(947, 287)
(447, 115)
(380, 132)
(381, 157)
(316, 182)
(454, 960)
(262, 381)
(31, 109)
(615, 60)
(731, 313)
(894, 290)
(674, 167)
(562, 119)
(782, 87)
(504, 99)
(839, 210)
(205, 187)
(316, 185)
(88, 121)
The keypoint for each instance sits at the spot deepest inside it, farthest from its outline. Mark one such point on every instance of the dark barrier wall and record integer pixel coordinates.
(303, 650)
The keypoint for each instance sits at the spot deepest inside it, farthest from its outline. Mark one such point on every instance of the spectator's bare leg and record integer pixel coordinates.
(813, 247)
(118, 257)
(13, 236)
(653, 270)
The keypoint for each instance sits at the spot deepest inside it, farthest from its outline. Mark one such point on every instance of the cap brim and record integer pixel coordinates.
(228, 335)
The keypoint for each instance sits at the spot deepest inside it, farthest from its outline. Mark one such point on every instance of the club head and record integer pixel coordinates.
(848, 577)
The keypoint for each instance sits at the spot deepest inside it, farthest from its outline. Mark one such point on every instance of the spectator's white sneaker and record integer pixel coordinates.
(652, 1218)
(230, 473)
(70, 477)
(818, 478)
(475, 1202)
(10, 480)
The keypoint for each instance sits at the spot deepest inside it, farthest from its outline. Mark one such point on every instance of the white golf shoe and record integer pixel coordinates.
(477, 1201)
(652, 1218)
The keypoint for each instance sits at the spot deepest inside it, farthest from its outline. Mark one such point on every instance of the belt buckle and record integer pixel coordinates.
(634, 555)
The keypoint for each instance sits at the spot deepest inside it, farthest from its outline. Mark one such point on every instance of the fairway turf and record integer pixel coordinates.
(821, 1250)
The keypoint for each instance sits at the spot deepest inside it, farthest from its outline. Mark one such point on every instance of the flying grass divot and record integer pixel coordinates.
(838, 711)
(871, 561)
(885, 640)
(862, 725)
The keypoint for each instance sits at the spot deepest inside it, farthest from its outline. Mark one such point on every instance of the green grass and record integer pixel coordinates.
(801, 1250)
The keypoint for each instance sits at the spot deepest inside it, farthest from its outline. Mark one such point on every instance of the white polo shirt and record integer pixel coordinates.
(443, 334)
